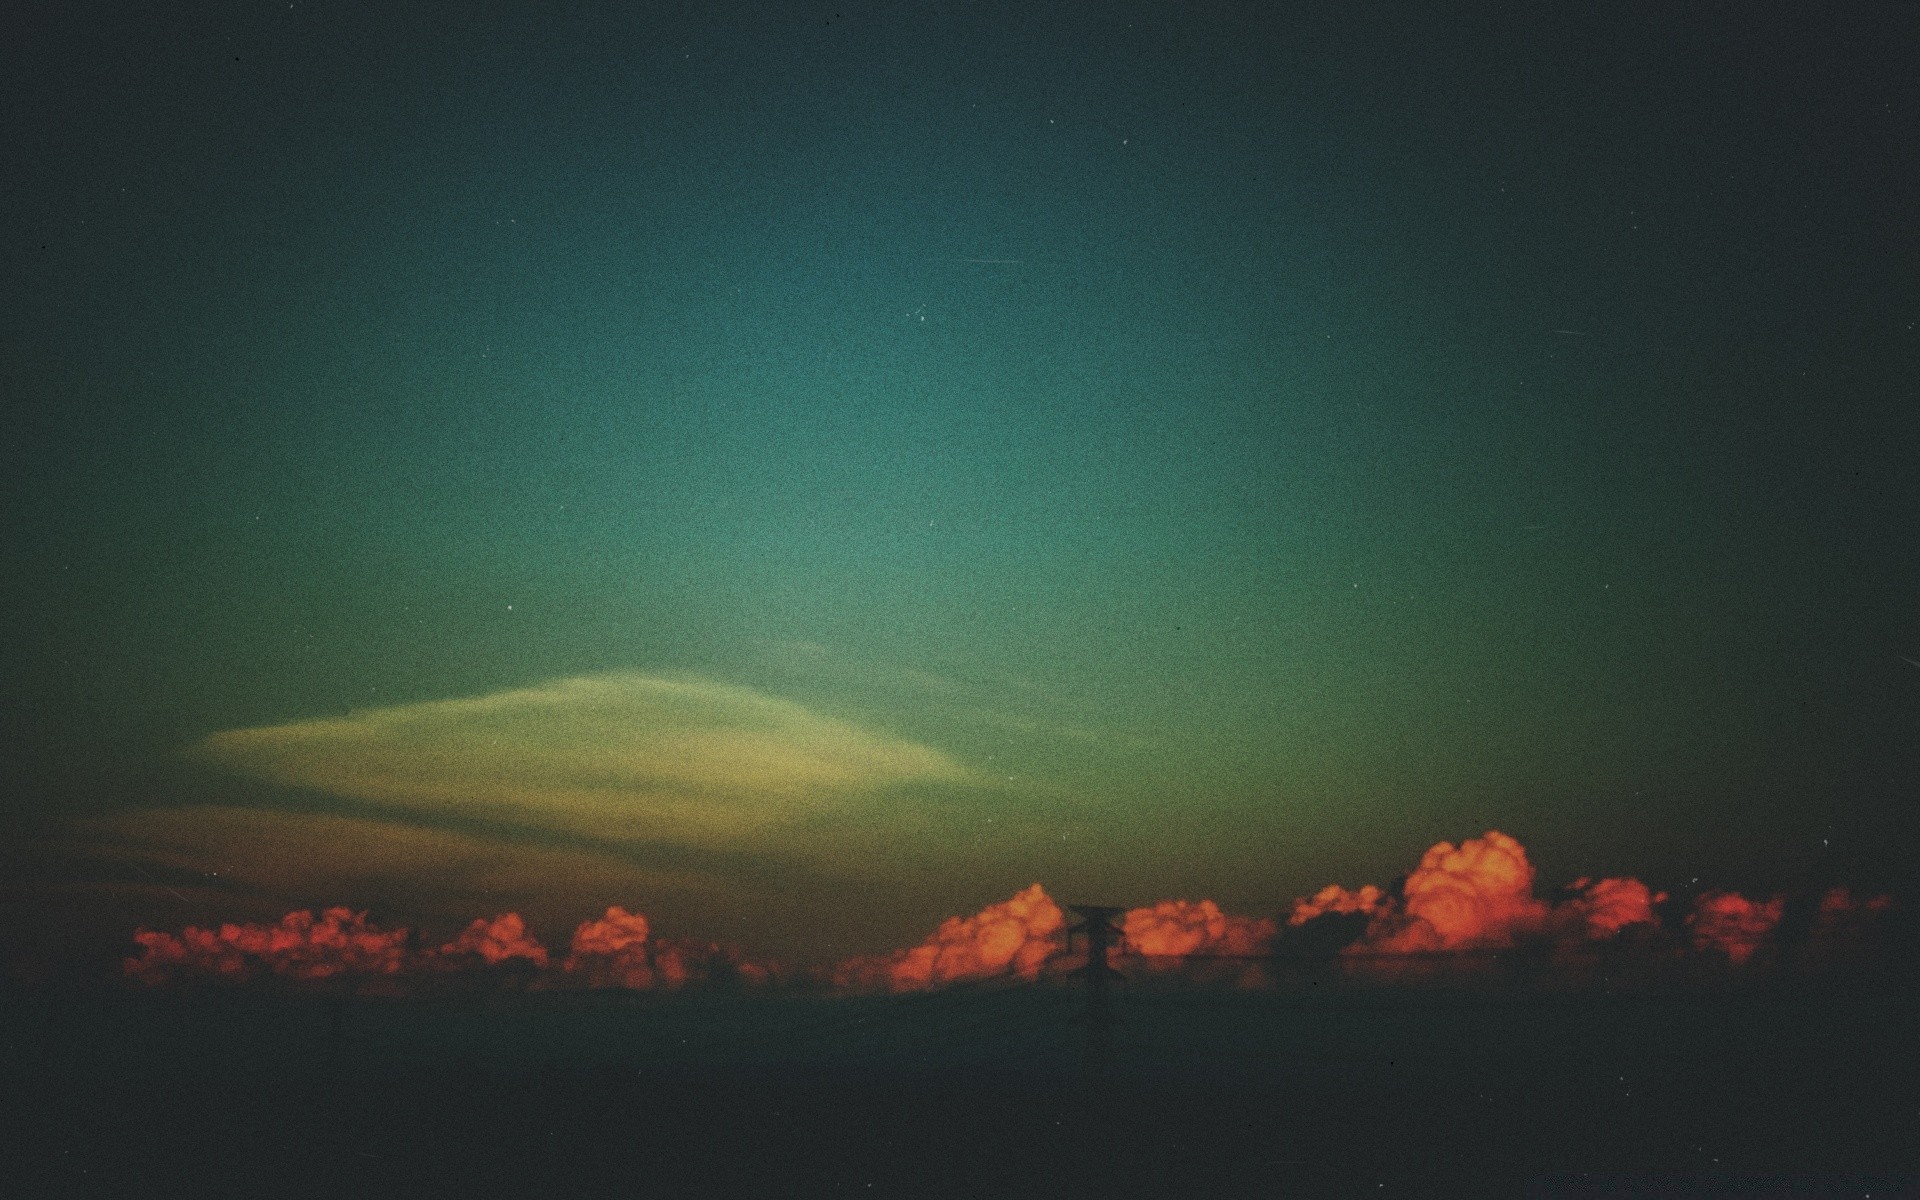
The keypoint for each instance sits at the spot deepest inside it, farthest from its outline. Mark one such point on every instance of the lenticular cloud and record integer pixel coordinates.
(622, 755)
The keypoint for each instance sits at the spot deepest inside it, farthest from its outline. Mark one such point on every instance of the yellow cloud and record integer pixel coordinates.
(622, 756)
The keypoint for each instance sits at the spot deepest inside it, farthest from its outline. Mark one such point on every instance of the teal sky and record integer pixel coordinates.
(858, 460)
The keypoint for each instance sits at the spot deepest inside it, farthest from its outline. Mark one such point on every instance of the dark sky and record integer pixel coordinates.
(802, 470)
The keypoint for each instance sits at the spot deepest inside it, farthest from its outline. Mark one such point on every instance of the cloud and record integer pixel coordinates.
(1181, 927)
(618, 756)
(1011, 939)
(1479, 893)
(1197, 942)
(612, 951)
(1017, 937)
(618, 950)
(1840, 915)
(1601, 910)
(1338, 900)
(495, 941)
(1732, 924)
(338, 942)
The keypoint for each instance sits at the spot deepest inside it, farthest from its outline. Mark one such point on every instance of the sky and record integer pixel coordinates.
(802, 470)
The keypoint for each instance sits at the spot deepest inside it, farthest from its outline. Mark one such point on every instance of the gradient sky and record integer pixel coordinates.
(802, 470)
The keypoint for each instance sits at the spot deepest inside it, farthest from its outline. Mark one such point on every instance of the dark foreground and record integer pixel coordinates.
(1802, 1090)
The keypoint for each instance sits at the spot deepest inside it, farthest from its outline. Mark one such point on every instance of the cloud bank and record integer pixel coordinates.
(615, 951)
(1474, 897)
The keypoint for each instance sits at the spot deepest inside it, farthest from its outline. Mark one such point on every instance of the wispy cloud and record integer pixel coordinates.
(624, 756)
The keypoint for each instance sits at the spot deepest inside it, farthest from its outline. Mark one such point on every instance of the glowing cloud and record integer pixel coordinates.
(1840, 912)
(1477, 894)
(302, 946)
(619, 755)
(494, 942)
(617, 950)
(1732, 924)
(608, 937)
(1474, 896)
(1603, 909)
(612, 951)
(1335, 899)
(1010, 939)
(1188, 927)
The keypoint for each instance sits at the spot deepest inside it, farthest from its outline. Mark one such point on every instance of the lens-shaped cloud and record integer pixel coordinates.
(620, 756)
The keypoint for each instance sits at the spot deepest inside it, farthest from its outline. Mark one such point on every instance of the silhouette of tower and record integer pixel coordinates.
(1096, 922)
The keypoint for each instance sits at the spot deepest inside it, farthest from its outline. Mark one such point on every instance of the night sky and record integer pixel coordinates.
(802, 470)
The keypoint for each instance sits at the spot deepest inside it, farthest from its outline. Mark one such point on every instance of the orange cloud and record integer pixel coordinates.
(1335, 899)
(1183, 927)
(1732, 924)
(1839, 908)
(1477, 894)
(494, 942)
(1011, 938)
(1603, 909)
(611, 951)
(337, 942)
(618, 950)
